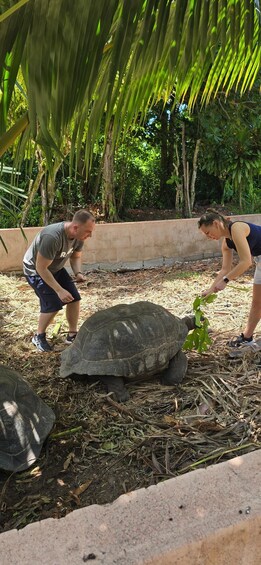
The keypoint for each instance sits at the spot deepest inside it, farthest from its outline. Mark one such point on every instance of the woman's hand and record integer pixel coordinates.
(220, 285)
(208, 291)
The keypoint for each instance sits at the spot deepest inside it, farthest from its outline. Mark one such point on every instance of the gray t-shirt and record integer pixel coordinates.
(53, 243)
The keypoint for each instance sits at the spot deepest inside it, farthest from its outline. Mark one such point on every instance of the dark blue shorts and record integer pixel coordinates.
(49, 300)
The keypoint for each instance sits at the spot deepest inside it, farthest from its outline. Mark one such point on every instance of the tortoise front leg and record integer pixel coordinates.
(176, 370)
(116, 385)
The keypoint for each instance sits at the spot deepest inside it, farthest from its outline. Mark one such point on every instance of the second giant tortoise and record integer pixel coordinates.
(25, 422)
(127, 342)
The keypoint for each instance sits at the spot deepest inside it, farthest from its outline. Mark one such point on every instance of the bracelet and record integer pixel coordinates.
(79, 273)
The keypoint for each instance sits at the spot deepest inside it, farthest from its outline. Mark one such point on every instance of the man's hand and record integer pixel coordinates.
(80, 277)
(65, 295)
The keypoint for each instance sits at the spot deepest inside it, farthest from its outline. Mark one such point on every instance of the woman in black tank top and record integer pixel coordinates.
(245, 239)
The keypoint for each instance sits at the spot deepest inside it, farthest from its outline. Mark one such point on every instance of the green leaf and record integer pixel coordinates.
(208, 299)
(198, 318)
(108, 445)
(199, 338)
(197, 302)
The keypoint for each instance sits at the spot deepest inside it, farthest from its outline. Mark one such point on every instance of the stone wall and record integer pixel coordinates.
(130, 245)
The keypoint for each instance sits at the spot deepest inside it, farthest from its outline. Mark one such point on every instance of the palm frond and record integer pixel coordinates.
(83, 60)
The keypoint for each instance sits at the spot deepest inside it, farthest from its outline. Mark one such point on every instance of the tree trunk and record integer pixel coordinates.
(32, 191)
(179, 192)
(51, 185)
(163, 156)
(47, 193)
(45, 215)
(171, 145)
(33, 186)
(194, 174)
(122, 188)
(108, 194)
(187, 208)
(98, 180)
(189, 184)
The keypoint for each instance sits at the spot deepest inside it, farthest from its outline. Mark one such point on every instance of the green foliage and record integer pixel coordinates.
(182, 275)
(137, 170)
(230, 150)
(228, 164)
(69, 191)
(120, 58)
(35, 212)
(10, 202)
(199, 338)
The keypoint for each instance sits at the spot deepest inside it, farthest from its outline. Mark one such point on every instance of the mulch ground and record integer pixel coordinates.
(99, 449)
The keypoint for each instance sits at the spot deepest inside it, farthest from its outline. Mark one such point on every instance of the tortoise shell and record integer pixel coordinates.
(126, 340)
(25, 422)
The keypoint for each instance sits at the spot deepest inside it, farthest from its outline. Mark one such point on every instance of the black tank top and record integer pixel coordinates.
(253, 239)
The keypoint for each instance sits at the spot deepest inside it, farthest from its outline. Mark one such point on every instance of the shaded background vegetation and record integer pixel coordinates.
(116, 118)
(153, 165)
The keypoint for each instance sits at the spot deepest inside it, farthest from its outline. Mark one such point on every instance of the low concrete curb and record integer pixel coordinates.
(207, 517)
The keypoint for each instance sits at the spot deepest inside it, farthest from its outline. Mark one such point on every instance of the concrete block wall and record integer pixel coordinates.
(127, 245)
(210, 516)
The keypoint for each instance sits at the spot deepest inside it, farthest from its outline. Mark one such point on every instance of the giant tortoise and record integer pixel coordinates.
(25, 422)
(127, 342)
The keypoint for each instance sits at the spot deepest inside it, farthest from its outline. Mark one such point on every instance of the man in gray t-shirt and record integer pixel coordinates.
(44, 269)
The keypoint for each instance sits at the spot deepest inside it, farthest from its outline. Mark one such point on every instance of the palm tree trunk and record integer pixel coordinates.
(163, 156)
(171, 144)
(45, 214)
(51, 184)
(122, 188)
(33, 189)
(187, 208)
(179, 192)
(194, 174)
(108, 194)
(34, 186)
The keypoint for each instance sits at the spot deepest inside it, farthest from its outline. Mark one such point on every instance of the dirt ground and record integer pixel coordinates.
(150, 213)
(146, 214)
(99, 449)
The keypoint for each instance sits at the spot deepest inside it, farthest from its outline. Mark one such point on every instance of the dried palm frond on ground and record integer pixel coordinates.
(99, 448)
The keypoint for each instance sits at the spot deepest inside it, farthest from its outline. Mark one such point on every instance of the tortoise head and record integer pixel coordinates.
(190, 322)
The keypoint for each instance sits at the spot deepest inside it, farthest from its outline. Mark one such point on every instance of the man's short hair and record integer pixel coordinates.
(82, 216)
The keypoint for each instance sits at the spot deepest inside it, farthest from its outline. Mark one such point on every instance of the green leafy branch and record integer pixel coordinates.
(199, 338)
